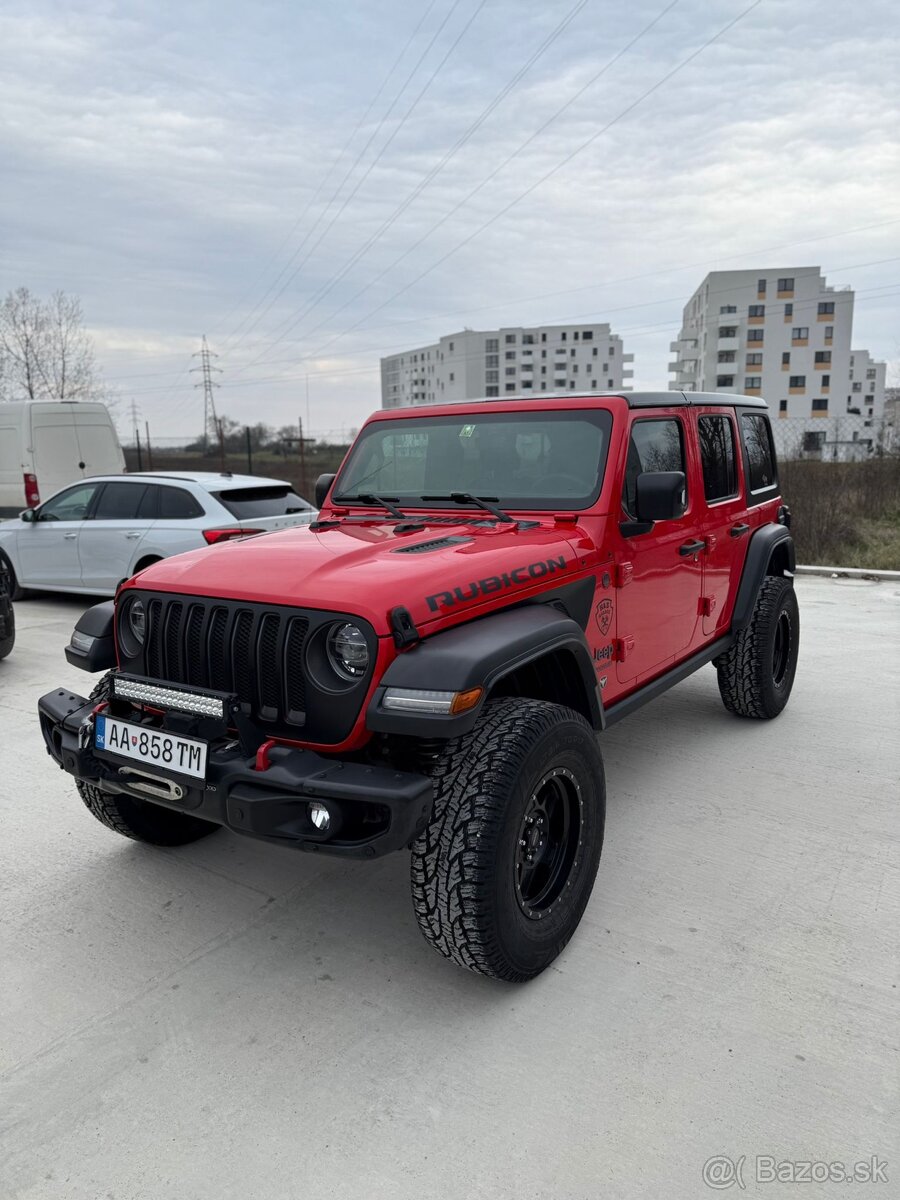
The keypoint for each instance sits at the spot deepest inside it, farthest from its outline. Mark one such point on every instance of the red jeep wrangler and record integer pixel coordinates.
(488, 587)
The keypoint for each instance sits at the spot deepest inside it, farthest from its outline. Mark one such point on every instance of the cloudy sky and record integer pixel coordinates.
(317, 185)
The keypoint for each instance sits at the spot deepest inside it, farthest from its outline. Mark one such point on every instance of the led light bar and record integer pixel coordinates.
(163, 697)
(422, 700)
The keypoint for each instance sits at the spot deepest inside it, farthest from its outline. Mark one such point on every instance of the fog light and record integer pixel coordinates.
(319, 815)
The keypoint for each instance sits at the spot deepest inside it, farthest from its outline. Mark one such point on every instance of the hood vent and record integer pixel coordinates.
(434, 544)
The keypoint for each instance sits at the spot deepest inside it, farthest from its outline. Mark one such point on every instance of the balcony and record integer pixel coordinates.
(728, 343)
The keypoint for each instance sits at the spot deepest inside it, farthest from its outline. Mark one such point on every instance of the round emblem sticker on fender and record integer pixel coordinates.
(603, 615)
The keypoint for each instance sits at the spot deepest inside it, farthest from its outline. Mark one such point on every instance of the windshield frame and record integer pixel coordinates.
(598, 416)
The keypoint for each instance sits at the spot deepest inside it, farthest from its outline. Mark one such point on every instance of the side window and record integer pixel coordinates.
(717, 456)
(149, 506)
(119, 502)
(655, 445)
(71, 505)
(760, 454)
(176, 504)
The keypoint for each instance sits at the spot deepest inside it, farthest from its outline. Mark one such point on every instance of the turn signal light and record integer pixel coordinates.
(214, 536)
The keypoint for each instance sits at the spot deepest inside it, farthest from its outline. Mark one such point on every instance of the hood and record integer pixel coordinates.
(367, 569)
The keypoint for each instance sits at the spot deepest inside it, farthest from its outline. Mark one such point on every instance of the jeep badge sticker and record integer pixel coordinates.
(603, 616)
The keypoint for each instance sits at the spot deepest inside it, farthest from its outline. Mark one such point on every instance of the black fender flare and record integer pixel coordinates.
(479, 654)
(769, 541)
(97, 623)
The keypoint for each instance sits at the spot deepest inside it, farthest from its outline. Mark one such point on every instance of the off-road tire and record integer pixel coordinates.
(756, 675)
(7, 643)
(466, 884)
(139, 819)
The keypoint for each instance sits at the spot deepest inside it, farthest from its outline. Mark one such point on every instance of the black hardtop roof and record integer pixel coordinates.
(658, 399)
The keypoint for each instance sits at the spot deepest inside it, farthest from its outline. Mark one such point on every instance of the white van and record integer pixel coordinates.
(47, 444)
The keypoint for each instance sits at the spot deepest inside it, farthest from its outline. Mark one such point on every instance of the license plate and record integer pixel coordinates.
(187, 756)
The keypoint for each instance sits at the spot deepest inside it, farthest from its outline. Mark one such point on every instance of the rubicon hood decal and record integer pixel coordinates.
(495, 583)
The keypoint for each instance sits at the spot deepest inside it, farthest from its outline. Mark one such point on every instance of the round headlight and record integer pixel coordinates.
(348, 652)
(137, 621)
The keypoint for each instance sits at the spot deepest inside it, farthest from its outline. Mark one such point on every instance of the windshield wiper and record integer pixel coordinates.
(479, 501)
(372, 499)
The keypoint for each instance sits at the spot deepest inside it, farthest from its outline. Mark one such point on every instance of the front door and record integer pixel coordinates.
(48, 546)
(660, 573)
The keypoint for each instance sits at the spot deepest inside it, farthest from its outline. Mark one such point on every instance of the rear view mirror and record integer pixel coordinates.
(28, 515)
(660, 495)
(323, 485)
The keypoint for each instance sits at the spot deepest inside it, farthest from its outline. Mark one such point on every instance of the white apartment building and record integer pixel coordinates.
(514, 361)
(786, 335)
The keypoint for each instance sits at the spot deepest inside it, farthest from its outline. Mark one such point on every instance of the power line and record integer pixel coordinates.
(432, 174)
(548, 174)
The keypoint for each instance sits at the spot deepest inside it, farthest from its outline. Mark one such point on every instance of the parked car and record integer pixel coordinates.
(7, 615)
(432, 664)
(91, 536)
(47, 444)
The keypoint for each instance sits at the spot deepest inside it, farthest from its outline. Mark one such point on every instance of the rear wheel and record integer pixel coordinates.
(15, 592)
(503, 872)
(756, 675)
(9, 638)
(139, 819)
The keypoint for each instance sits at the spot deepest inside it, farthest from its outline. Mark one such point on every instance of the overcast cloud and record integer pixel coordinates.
(179, 168)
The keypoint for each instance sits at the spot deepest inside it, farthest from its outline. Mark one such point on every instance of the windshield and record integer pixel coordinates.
(250, 503)
(532, 460)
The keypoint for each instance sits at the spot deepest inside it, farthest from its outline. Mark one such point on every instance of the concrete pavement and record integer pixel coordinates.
(231, 1020)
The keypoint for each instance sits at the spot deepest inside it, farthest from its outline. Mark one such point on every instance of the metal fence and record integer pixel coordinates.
(848, 438)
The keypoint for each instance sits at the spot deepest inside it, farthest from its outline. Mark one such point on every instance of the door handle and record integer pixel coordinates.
(132, 535)
(691, 548)
(739, 530)
(70, 536)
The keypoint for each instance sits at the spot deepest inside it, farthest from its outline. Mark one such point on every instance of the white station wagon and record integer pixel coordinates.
(92, 535)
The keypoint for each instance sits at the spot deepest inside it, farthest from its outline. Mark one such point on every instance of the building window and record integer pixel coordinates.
(559, 383)
(786, 284)
(543, 354)
(450, 347)
(823, 357)
(871, 373)
(756, 310)
(820, 404)
(724, 381)
(572, 384)
(829, 332)
(572, 352)
(491, 376)
(761, 286)
(752, 381)
(610, 383)
(527, 366)
(789, 310)
(452, 377)
(755, 335)
(587, 335)
(826, 308)
(543, 370)
(543, 337)
(799, 333)
(527, 339)
(492, 360)
(593, 383)
(510, 355)
(726, 356)
(510, 339)
(797, 381)
(870, 399)
(753, 360)
(510, 387)
(727, 331)
(562, 336)
(492, 391)
(574, 368)
(510, 370)
(857, 387)
(782, 406)
(612, 351)
(826, 381)
(491, 345)
(575, 335)
(526, 383)
(786, 358)
(595, 351)
(727, 308)
(606, 366)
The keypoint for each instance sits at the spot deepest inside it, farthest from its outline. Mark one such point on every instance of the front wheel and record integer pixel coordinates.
(504, 869)
(756, 675)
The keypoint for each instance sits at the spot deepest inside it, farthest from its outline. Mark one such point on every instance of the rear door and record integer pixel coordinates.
(724, 527)
(99, 452)
(110, 539)
(658, 608)
(48, 546)
(57, 458)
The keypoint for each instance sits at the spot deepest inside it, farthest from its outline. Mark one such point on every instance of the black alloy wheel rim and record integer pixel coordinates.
(548, 843)
(781, 651)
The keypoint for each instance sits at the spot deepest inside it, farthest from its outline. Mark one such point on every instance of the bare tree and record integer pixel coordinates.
(45, 353)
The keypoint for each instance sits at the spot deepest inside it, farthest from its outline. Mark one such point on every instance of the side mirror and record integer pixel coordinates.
(660, 495)
(323, 486)
(28, 515)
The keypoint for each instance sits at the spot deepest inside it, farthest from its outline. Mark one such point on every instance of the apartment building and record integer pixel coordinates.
(786, 335)
(513, 361)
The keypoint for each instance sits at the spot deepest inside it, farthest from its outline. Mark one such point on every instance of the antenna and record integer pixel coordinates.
(206, 370)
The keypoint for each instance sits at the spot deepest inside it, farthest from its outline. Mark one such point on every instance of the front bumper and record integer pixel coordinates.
(374, 809)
